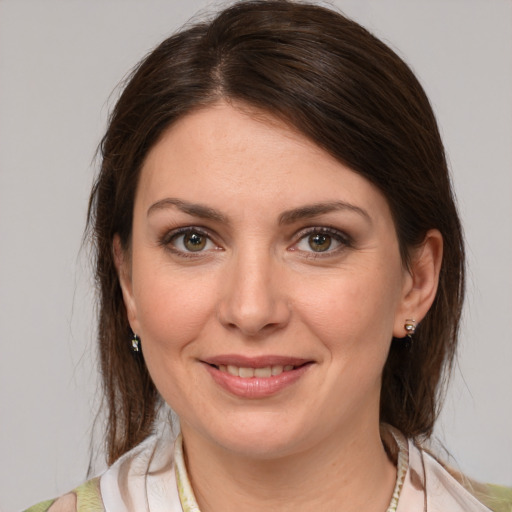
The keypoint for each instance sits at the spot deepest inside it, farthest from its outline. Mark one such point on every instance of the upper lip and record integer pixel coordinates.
(255, 362)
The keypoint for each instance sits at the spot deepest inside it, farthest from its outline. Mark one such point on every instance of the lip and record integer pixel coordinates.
(256, 387)
(255, 362)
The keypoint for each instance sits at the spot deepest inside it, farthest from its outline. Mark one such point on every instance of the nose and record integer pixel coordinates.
(254, 301)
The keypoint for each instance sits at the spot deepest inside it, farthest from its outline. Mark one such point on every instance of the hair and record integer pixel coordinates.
(345, 90)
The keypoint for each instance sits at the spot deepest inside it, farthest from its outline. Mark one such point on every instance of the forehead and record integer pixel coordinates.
(223, 152)
(236, 134)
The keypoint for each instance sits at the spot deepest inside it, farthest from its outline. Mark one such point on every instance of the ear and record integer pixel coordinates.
(123, 265)
(420, 286)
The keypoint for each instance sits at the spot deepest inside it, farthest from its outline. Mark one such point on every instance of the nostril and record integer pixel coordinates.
(253, 305)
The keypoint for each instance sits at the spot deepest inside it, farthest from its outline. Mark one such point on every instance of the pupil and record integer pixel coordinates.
(194, 242)
(319, 242)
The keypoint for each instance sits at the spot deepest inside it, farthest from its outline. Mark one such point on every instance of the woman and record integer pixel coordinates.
(281, 262)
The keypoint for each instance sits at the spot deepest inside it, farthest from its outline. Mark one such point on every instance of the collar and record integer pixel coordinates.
(153, 478)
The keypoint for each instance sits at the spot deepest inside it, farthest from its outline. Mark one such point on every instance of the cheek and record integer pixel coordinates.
(172, 314)
(351, 310)
(172, 309)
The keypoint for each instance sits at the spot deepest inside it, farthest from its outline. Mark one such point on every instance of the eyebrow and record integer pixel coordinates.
(197, 210)
(288, 217)
(313, 210)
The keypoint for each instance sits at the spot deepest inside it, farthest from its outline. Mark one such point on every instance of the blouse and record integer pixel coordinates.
(152, 477)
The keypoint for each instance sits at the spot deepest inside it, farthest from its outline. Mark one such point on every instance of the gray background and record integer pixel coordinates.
(60, 61)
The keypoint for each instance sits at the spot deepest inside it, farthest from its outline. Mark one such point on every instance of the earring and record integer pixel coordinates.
(135, 343)
(410, 327)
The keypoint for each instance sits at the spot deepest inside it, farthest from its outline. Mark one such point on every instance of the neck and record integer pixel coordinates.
(335, 475)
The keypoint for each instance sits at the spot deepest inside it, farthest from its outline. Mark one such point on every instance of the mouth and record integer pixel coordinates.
(258, 377)
(264, 372)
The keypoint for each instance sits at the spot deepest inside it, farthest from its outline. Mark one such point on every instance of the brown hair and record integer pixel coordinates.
(349, 93)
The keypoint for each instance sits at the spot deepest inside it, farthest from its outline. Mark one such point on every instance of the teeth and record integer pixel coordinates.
(247, 373)
(262, 372)
(233, 370)
(277, 370)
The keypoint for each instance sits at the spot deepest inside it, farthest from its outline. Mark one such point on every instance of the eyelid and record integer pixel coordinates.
(342, 237)
(170, 235)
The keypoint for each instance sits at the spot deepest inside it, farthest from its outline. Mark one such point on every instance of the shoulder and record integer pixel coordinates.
(446, 489)
(143, 477)
(497, 498)
(85, 498)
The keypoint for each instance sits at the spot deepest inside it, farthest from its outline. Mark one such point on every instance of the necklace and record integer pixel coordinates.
(188, 499)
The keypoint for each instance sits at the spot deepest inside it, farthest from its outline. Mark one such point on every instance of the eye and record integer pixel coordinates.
(190, 240)
(321, 240)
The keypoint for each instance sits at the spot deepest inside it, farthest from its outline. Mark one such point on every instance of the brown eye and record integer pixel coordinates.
(322, 241)
(319, 242)
(194, 241)
(189, 242)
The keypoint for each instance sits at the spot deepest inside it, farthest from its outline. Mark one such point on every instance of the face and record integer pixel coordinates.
(265, 282)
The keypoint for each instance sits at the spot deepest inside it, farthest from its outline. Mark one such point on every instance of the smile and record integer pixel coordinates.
(248, 373)
(256, 378)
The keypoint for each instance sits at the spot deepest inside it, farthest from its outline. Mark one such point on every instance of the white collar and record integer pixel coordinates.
(152, 477)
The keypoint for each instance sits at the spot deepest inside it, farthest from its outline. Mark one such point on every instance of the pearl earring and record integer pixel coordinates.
(410, 327)
(135, 343)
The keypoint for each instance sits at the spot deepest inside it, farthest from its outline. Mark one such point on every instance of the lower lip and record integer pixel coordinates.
(256, 387)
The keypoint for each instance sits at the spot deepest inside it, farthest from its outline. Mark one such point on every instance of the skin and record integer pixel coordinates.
(259, 286)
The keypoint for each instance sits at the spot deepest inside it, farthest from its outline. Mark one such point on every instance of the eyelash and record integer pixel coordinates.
(344, 241)
(170, 237)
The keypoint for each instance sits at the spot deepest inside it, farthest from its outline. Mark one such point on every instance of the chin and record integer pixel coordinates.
(259, 438)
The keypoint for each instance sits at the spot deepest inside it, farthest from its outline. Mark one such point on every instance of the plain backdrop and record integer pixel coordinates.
(60, 62)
